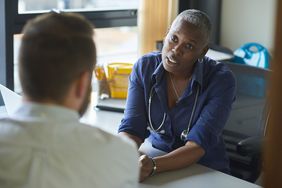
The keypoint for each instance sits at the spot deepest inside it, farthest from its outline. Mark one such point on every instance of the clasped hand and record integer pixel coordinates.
(146, 167)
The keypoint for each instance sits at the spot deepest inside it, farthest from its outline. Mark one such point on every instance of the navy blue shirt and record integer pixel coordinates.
(216, 85)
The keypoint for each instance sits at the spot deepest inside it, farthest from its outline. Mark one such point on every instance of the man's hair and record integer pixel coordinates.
(197, 18)
(55, 50)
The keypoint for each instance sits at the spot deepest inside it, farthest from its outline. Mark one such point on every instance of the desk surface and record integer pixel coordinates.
(195, 176)
(218, 56)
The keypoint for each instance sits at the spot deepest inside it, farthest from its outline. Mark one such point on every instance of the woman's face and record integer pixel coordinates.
(183, 45)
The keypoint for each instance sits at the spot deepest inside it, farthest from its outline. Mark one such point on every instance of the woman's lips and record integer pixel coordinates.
(170, 61)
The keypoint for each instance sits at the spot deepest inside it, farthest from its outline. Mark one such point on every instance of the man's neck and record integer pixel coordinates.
(49, 102)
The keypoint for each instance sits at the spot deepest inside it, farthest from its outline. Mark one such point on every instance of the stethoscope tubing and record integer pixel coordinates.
(158, 130)
(149, 114)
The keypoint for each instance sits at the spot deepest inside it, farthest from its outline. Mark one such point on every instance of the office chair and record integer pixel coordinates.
(245, 129)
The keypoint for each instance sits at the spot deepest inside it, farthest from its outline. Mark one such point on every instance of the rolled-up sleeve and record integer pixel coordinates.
(135, 120)
(214, 114)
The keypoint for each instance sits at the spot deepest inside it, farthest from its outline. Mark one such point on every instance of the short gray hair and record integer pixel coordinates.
(197, 18)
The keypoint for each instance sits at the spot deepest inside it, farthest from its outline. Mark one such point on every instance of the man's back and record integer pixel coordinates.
(46, 146)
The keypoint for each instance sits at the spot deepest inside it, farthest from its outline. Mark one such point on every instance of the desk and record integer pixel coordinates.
(195, 176)
(218, 56)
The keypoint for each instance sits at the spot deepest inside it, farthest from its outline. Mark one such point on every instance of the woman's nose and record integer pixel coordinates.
(177, 50)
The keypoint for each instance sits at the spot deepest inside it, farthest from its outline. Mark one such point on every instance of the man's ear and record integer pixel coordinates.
(83, 84)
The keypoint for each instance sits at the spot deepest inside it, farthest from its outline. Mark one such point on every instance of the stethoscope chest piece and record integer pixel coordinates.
(184, 134)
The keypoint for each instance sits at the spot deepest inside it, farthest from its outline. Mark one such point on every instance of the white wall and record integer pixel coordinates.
(245, 21)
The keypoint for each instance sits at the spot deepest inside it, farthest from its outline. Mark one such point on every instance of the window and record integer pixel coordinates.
(26, 6)
(121, 46)
(116, 18)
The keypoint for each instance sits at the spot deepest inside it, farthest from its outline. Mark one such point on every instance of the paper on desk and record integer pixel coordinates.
(218, 56)
(11, 99)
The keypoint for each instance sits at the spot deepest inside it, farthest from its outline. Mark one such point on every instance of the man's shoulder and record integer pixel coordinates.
(115, 152)
(9, 125)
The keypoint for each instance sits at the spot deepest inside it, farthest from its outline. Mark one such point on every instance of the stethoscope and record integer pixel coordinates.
(185, 132)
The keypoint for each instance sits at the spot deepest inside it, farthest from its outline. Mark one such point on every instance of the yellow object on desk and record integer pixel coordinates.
(117, 77)
(103, 87)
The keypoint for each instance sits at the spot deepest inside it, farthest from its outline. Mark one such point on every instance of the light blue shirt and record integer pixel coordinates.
(46, 146)
(216, 85)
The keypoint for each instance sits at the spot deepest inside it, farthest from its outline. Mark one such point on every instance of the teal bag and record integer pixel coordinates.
(252, 54)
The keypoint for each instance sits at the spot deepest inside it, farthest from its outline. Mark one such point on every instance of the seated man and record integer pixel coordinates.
(43, 144)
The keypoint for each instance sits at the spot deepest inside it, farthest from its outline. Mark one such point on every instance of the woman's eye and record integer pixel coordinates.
(173, 38)
(189, 46)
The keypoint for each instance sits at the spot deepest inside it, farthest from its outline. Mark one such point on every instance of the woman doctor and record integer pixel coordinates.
(180, 100)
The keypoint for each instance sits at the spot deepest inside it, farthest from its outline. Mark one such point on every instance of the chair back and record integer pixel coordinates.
(245, 128)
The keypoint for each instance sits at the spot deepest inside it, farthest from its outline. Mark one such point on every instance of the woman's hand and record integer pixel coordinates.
(146, 167)
(182, 157)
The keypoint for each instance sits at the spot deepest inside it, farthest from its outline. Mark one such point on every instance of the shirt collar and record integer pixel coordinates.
(196, 77)
(198, 73)
(43, 111)
(158, 74)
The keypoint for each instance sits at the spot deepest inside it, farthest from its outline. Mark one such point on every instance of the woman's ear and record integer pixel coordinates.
(204, 51)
